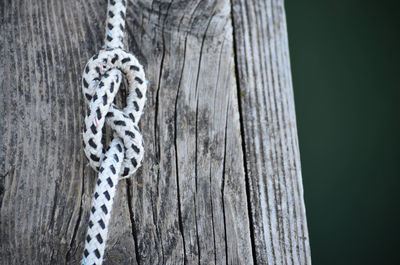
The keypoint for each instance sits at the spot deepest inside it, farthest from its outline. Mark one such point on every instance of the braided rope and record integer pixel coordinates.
(101, 80)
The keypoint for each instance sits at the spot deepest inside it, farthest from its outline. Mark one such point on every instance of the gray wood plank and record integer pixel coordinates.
(268, 118)
(202, 196)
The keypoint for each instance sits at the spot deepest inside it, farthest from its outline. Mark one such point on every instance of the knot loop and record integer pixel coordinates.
(101, 81)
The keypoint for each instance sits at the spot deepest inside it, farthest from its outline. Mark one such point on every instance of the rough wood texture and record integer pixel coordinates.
(270, 133)
(220, 184)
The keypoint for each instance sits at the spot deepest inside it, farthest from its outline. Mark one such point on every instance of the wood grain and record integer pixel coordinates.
(220, 183)
(269, 127)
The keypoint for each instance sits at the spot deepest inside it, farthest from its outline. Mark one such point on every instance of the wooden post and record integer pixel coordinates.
(221, 180)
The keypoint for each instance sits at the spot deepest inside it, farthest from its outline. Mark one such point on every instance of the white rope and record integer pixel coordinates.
(101, 80)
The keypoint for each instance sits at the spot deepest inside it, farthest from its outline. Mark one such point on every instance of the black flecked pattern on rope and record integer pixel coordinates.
(102, 78)
(100, 82)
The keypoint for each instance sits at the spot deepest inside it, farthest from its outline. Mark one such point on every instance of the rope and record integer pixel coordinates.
(101, 80)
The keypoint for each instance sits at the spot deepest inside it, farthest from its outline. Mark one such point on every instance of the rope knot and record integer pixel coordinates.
(101, 81)
(102, 78)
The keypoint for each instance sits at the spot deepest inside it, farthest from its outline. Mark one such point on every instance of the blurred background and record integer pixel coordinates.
(345, 64)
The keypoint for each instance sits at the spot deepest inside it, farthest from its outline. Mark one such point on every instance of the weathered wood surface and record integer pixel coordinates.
(270, 133)
(221, 180)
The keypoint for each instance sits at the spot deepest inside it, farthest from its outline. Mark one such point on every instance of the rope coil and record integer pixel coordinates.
(102, 78)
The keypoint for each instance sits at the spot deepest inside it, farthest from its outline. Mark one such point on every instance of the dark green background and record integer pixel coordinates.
(345, 64)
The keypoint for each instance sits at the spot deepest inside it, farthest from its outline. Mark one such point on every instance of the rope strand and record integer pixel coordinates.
(101, 80)
(115, 24)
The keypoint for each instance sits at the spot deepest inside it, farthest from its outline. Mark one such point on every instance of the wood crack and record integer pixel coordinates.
(196, 137)
(132, 219)
(223, 185)
(196, 176)
(2, 188)
(212, 218)
(176, 156)
(68, 254)
(242, 133)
